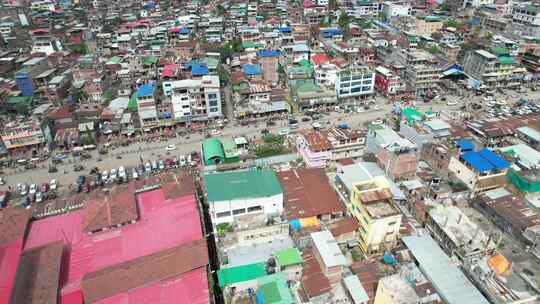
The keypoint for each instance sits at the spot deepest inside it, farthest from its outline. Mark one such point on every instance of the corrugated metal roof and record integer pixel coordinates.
(327, 247)
(232, 275)
(449, 281)
(356, 290)
(241, 184)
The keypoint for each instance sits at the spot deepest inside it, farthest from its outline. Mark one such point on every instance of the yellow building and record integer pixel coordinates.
(372, 204)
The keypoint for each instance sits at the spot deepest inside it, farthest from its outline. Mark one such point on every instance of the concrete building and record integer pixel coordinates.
(425, 131)
(428, 25)
(311, 96)
(314, 148)
(526, 19)
(448, 279)
(269, 61)
(422, 70)
(146, 107)
(395, 154)
(346, 143)
(476, 3)
(355, 82)
(388, 82)
(25, 78)
(396, 9)
(329, 256)
(492, 70)
(371, 203)
(395, 290)
(457, 234)
(479, 170)
(194, 99)
(21, 139)
(325, 75)
(243, 193)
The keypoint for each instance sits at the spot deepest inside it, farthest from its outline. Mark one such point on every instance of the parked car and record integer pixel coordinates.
(215, 132)
(134, 174)
(183, 161)
(112, 175)
(170, 147)
(147, 168)
(81, 179)
(154, 165)
(39, 197)
(45, 188)
(283, 132)
(59, 156)
(105, 176)
(33, 189)
(25, 201)
(85, 188)
(168, 163)
(3, 199)
(140, 169)
(53, 185)
(122, 172)
(161, 165)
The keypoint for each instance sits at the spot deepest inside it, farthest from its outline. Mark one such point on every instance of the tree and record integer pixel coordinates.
(364, 23)
(433, 49)
(436, 36)
(451, 23)
(344, 21)
(220, 10)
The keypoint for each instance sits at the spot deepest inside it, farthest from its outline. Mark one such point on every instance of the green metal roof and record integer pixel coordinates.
(229, 147)
(308, 87)
(20, 100)
(132, 104)
(273, 289)
(149, 60)
(232, 275)
(412, 113)
(505, 60)
(500, 51)
(241, 184)
(288, 257)
(212, 148)
(114, 60)
(305, 63)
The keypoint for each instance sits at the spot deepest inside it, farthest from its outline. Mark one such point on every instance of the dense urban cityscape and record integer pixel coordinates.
(269, 152)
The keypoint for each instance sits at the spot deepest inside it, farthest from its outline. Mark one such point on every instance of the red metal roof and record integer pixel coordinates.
(92, 252)
(307, 193)
(9, 259)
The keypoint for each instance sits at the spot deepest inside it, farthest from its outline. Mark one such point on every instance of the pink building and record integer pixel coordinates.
(314, 147)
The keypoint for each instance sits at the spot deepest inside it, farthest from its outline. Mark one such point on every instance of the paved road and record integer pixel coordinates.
(131, 155)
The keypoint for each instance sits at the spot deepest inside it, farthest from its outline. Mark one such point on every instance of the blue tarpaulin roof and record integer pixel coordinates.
(497, 161)
(295, 224)
(145, 90)
(267, 53)
(329, 33)
(183, 31)
(199, 69)
(251, 69)
(465, 145)
(389, 259)
(285, 29)
(479, 163)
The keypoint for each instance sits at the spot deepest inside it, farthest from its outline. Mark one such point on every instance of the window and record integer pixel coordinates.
(213, 102)
(213, 109)
(391, 223)
(212, 96)
(239, 211)
(223, 214)
(254, 208)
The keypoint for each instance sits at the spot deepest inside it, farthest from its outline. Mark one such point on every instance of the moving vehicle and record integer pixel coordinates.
(53, 185)
(170, 147)
(283, 132)
(215, 132)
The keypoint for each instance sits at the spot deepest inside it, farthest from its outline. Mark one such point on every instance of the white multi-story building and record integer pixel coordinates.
(476, 3)
(194, 99)
(232, 195)
(526, 20)
(396, 9)
(355, 81)
(325, 75)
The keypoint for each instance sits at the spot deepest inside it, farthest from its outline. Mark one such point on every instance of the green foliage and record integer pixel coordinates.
(22, 108)
(344, 21)
(223, 228)
(229, 48)
(451, 23)
(332, 5)
(436, 35)
(364, 23)
(433, 49)
(80, 49)
(220, 10)
(355, 254)
(223, 74)
(268, 150)
(273, 139)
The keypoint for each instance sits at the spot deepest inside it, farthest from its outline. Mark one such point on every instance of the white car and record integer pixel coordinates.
(122, 172)
(39, 197)
(33, 189)
(170, 147)
(135, 175)
(215, 132)
(451, 103)
(105, 176)
(283, 132)
(53, 185)
(112, 175)
(183, 161)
